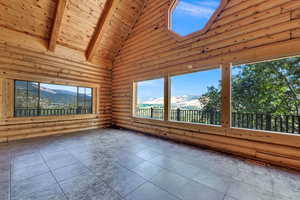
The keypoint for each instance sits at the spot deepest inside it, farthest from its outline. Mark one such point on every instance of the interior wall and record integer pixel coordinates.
(74, 29)
(245, 31)
(26, 57)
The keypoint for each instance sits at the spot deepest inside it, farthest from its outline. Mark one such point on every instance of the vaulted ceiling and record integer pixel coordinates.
(96, 27)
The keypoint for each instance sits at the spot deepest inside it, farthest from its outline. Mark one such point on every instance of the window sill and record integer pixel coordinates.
(39, 119)
(246, 134)
(287, 139)
(212, 129)
(146, 118)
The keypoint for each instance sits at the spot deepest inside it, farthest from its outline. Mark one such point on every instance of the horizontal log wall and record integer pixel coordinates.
(27, 58)
(245, 31)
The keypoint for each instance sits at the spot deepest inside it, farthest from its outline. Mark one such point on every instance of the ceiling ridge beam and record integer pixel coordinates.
(106, 15)
(61, 6)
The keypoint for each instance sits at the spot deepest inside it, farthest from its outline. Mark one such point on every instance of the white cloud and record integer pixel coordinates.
(204, 9)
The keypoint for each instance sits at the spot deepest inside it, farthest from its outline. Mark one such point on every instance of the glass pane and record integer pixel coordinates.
(41, 99)
(81, 98)
(266, 96)
(33, 96)
(189, 15)
(88, 91)
(21, 85)
(26, 98)
(21, 94)
(88, 100)
(58, 99)
(196, 97)
(150, 99)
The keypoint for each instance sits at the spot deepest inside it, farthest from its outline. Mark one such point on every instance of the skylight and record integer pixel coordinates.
(189, 16)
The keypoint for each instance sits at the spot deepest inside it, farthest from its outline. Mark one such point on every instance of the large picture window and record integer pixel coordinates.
(41, 99)
(266, 96)
(150, 99)
(260, 96)
(195, 97)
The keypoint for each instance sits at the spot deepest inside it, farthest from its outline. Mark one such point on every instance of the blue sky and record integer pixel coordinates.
(195, 83)
(150, 89)
(192, 15)
(187, 84)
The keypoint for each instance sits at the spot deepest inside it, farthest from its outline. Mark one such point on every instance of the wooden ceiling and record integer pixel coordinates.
(96, 27)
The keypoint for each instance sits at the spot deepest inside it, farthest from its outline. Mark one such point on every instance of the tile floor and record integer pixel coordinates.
(115, 164)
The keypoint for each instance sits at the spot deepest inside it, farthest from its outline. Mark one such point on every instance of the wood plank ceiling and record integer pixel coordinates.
(96, 27)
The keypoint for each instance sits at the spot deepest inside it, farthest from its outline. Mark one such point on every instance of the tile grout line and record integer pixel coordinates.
(95, 175)
(149, 181)
(63, 192)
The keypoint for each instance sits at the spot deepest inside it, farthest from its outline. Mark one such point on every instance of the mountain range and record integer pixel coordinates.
(48, 96)
(185, 101)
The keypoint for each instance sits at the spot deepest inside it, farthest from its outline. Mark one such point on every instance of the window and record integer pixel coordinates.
(196, 97)
(150, 99)
(26, 98)
(188, 16)
(41, 99)
(84, 99)
(266, 96)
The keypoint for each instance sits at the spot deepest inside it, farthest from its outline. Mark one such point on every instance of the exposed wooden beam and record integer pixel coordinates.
(106, 15)
(61, 5)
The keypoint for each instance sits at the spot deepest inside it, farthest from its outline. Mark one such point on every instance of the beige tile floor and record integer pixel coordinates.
(111, 164)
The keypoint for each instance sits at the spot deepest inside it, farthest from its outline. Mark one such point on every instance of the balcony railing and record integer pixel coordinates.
(258, 121)
(21, 112)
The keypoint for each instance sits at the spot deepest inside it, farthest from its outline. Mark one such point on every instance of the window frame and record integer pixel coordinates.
(169, 95)
(225, 129)
(134, 97)
(93, 99)
(234, 131)
(167, 102)
(202, 31)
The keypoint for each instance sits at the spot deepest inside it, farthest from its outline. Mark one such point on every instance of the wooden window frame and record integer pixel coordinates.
(168, 95)
(225, 129)
(39, 83)
(167, 100)
(7, 102)
(134, 96)
(176, 36)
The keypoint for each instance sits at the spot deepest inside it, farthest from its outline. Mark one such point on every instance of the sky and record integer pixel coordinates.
(150, 89)
(59, 87)
(187, 84)
(86, 91)
(192, 15)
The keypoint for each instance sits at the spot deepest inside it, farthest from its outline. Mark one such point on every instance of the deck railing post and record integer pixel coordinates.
(151, 112)
(212, 117)
(178, 114)
(268, 121)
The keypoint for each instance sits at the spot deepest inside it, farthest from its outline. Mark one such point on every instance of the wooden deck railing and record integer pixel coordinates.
(259, 121)
(21, 112)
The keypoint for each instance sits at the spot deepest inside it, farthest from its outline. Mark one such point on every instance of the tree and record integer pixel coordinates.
(267, 87)
(211, 100)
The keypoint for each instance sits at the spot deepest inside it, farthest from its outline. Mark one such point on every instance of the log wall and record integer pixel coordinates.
(26, 57)
(244, 31)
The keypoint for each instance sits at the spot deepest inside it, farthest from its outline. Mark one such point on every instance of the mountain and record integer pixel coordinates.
(185, 101)
(50, 98)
